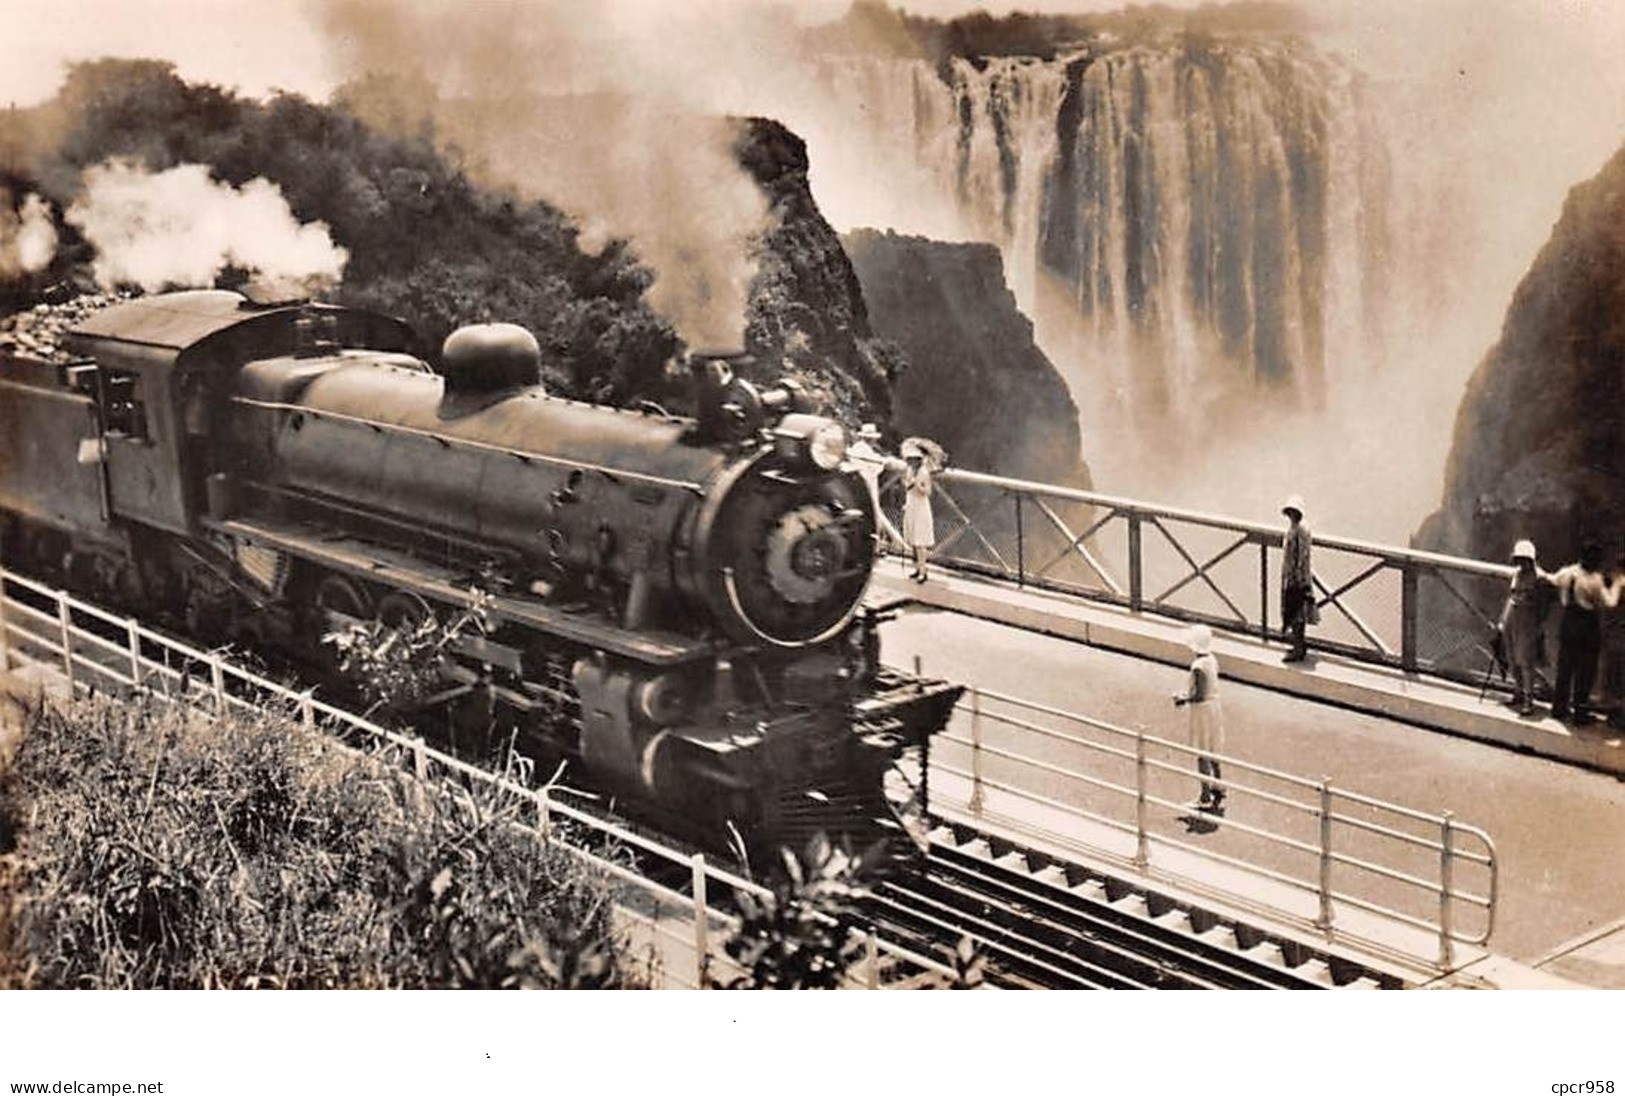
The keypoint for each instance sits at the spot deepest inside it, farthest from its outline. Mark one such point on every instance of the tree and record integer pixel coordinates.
(804, 934)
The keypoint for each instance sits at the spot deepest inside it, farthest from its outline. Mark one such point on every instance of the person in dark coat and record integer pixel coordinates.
(1585, 592)
(1297, 581)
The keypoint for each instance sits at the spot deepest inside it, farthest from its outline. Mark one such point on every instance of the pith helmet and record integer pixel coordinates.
(1200, 639)
(1524, 549)
(1293, 505)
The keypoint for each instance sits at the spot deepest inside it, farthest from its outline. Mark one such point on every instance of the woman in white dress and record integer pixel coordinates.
(919, 527)
(1201, 699)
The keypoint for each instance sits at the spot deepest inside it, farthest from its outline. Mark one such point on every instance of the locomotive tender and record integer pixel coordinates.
(671, 604)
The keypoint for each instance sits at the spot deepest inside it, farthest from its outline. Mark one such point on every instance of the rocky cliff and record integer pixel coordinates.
(806, 317)
(976, 381)
(1537, 448)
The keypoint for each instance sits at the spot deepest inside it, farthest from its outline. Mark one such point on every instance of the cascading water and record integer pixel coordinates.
(1200, 232)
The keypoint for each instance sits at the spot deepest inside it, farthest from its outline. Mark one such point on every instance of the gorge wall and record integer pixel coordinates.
(976, 382)
(1537, 448)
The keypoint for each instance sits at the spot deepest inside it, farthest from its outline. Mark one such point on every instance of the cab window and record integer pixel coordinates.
(124, 411)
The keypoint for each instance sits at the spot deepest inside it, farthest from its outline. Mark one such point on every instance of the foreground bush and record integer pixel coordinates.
(147, 846)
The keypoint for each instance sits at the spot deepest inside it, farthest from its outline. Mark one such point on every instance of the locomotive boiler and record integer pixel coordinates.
(673, 604)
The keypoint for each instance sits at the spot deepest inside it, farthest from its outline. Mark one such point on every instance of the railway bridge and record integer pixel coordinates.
(1390, 822)
(1067, 611)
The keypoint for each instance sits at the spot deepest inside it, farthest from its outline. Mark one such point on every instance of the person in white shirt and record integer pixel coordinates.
(869, 462)
(1201, 700)
(1585, 592)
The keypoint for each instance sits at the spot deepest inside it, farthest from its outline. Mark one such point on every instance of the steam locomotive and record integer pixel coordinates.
(673, 605)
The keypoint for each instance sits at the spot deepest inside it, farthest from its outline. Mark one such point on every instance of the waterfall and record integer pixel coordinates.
(1199, 231)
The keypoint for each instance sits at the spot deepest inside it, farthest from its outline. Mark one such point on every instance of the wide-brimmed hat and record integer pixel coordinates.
(868, 432)
(925, 449)
(1293, 505)
(1199, 639)
(1524, 549)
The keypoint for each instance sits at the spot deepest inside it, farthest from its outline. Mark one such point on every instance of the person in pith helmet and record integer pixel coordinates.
(1201, 699)
(869, 461)
(1297, 581)
(1520, 625)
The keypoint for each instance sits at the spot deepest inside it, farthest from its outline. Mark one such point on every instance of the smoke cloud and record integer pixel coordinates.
(549, 100)
(27, 236)
(181, 228)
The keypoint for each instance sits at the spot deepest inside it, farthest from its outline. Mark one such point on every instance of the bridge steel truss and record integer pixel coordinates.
(1419, 612)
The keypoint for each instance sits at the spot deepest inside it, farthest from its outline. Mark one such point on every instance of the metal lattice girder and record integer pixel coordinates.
(1333, 597)
(1198, 570)
(1202, 571)
(1470, 643)
(1076, 544)
(969, 526)
(1457, 594)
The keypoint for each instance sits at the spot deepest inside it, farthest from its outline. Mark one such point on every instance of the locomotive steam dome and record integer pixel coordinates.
(487, 357)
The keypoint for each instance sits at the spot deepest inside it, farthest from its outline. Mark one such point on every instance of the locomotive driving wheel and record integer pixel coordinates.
(341, 601)
(402, 609)
(210, 606)
(337, 603)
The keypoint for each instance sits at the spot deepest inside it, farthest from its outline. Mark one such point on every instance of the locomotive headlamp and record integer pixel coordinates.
(811, 439)
(827, 446)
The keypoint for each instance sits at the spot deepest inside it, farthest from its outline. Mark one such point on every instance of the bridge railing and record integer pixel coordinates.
(1318, 852)
(97, 650)
(1416, 611)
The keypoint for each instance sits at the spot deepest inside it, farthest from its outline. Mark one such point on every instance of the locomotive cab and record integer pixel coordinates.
(164, 368)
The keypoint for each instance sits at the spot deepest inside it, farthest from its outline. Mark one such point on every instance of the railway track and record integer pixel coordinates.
(1046, 924)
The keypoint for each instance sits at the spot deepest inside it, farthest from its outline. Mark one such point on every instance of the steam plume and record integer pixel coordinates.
(27, 236)
(180, 227)
(543, 99)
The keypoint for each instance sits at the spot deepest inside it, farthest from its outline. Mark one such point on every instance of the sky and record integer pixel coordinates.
(258, 45)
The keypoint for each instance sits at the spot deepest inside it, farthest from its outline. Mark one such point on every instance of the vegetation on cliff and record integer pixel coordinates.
(424, 242)
(874, 26)
(807, 317)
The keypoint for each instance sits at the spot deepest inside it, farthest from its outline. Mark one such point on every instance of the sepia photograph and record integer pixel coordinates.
(860, 495)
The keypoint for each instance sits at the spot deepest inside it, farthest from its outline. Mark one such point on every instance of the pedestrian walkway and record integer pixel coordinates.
(1596, 957)
(1423, 701)
(1232, 893)
(1554, 887)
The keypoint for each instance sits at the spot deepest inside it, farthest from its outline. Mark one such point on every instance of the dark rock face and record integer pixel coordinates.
(976, 382)
(1537, 450)
(806, 318)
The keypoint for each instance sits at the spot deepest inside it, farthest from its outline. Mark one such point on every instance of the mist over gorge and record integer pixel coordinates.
(1265, 244)
(1198, 230)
